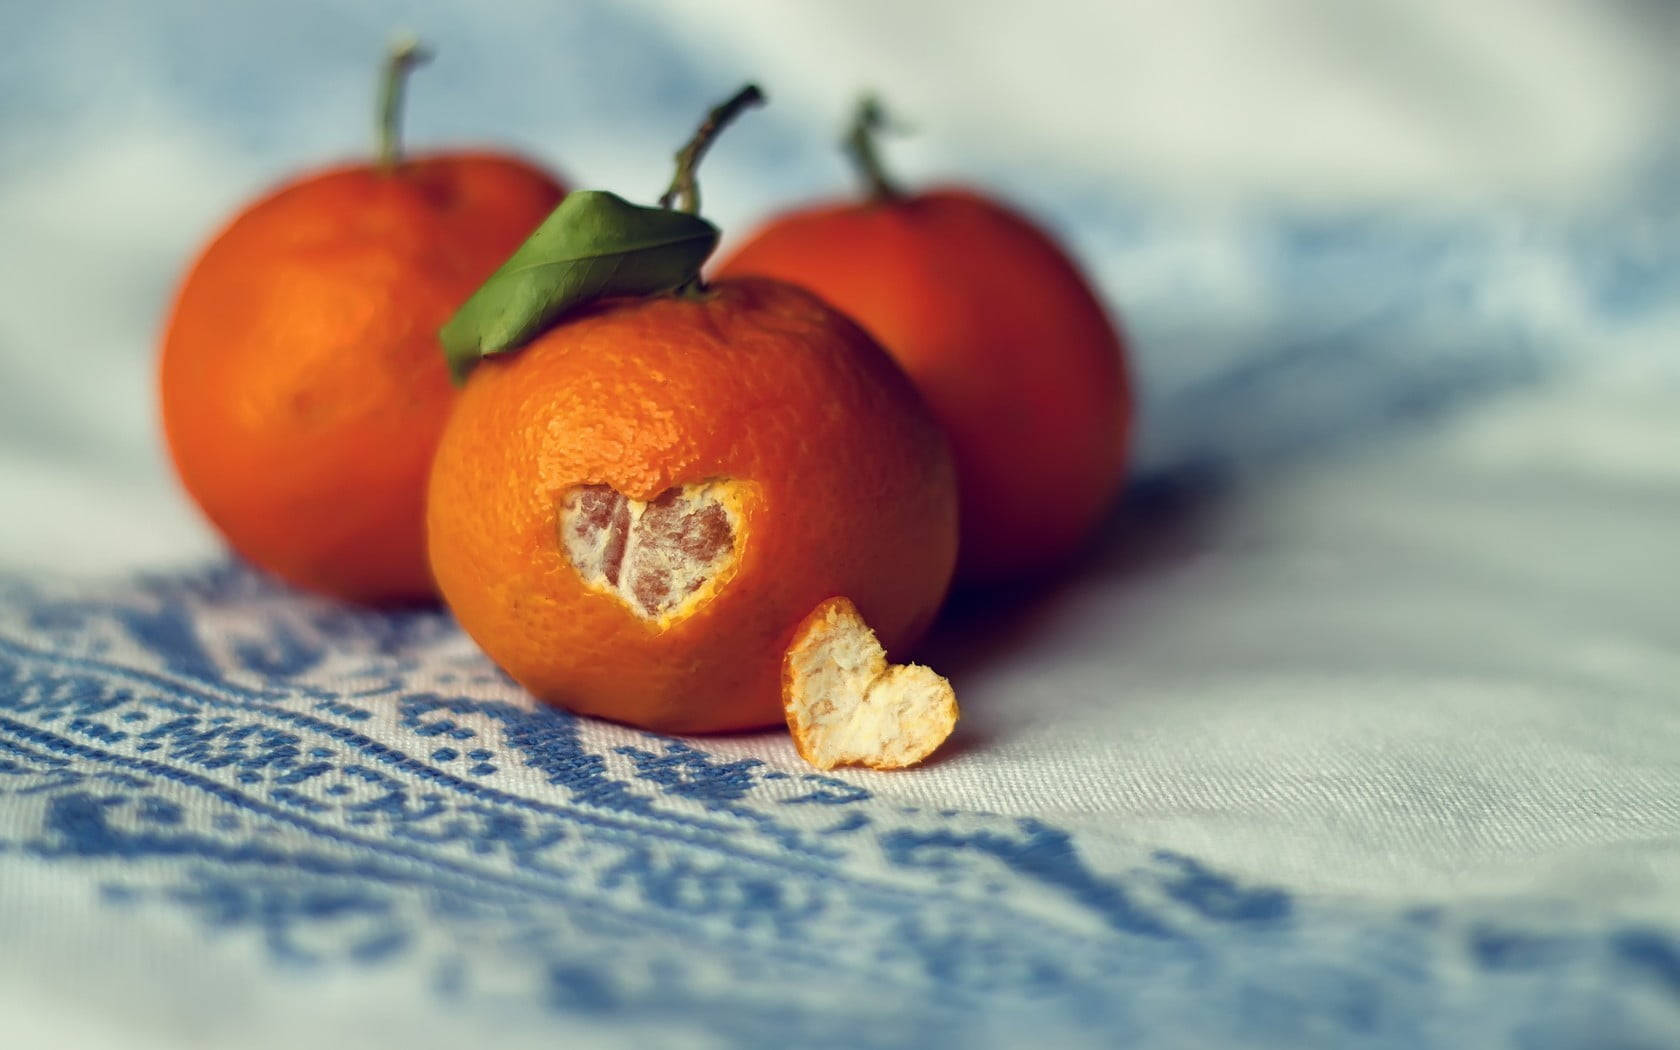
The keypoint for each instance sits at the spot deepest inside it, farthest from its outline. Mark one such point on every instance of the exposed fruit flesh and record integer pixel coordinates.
(663, 558)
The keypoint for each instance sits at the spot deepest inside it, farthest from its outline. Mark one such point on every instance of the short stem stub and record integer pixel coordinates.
(684, 192)
(860, 144)
(406, 53)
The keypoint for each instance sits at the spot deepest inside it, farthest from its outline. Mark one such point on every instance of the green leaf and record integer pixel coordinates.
(595, 244)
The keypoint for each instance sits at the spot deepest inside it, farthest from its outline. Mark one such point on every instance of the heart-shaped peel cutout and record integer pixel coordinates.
(663, 557)
(846, 706)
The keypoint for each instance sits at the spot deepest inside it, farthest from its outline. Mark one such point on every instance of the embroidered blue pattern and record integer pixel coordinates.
(362, 790)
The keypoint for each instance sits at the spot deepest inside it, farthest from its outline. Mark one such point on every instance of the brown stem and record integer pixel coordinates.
(405, 54)
(860, 143)
(684, 191)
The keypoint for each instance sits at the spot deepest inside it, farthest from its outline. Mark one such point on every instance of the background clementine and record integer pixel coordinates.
(300, 384)
(1003, 336)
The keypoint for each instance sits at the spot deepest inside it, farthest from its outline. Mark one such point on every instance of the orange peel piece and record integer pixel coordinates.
(846, 706)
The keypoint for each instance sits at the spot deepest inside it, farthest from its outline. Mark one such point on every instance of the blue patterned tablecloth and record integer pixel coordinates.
(293, 788)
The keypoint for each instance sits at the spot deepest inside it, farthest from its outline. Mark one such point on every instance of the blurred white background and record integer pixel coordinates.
(1317, 218)
(1217, 103)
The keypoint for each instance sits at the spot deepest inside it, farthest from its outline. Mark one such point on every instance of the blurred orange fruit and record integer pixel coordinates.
(632, 514)
(1002, 335)
(301, 388)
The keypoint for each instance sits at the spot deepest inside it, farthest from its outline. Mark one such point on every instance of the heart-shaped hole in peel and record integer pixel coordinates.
(664, 557)
(846, 706)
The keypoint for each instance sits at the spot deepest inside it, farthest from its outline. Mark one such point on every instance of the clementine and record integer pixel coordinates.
(1002, 335)
(633, 513)
(301, 390)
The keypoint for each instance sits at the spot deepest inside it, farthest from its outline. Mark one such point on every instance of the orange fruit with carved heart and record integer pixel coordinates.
(632, 514)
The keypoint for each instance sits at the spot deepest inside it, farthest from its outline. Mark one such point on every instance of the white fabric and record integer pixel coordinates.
(1443, 668)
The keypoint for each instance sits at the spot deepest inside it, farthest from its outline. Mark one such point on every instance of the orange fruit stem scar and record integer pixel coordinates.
(846, 706)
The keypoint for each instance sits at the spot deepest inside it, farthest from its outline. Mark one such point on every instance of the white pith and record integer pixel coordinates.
(847, 706)
(688, 581)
